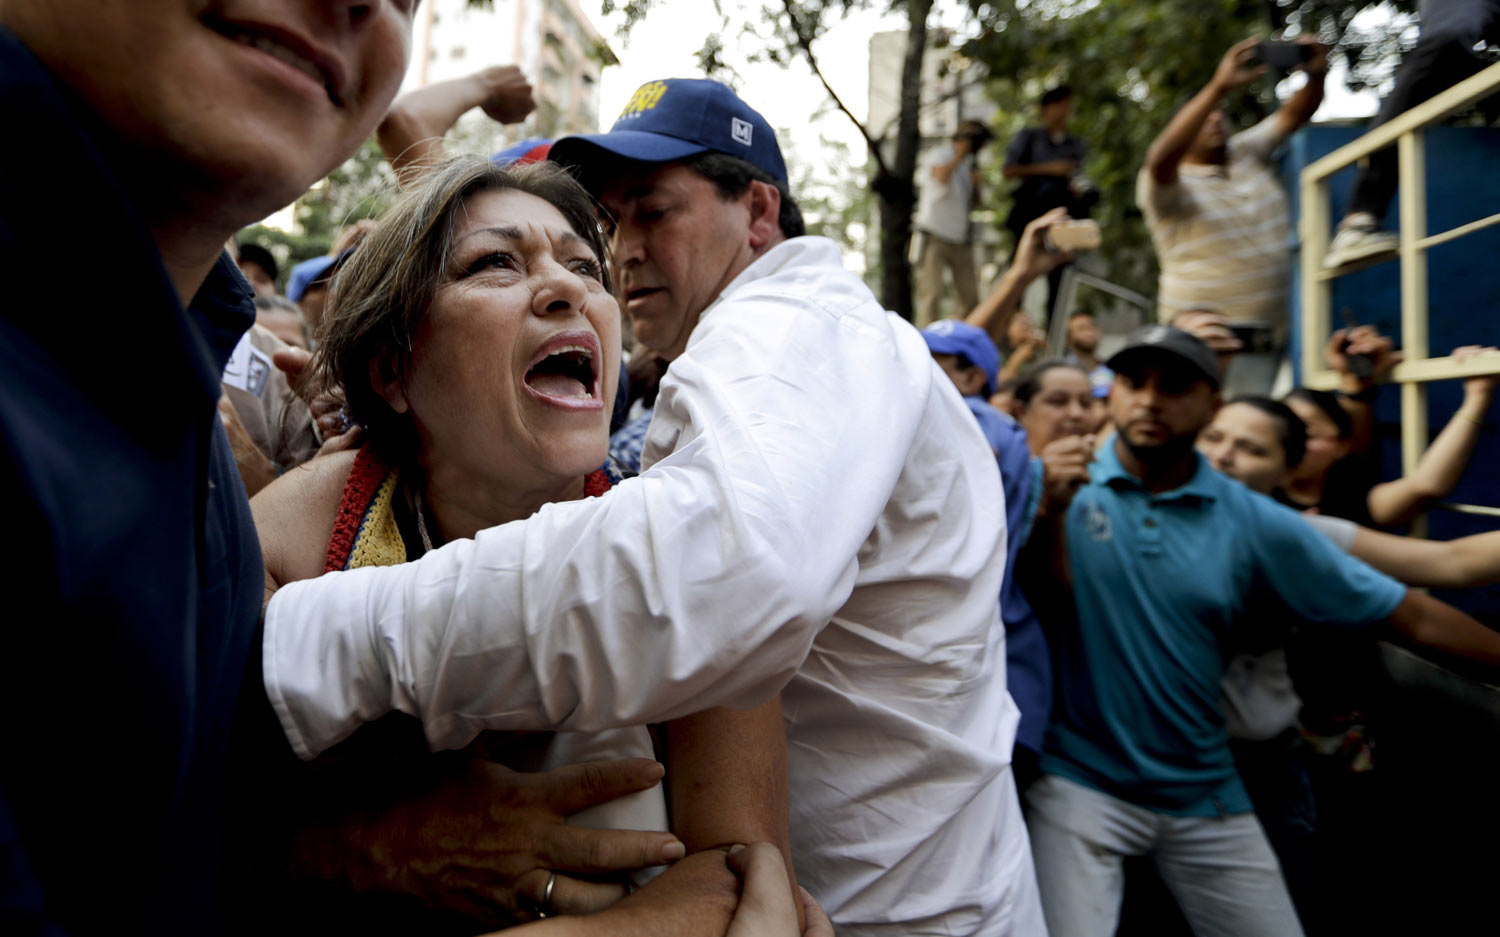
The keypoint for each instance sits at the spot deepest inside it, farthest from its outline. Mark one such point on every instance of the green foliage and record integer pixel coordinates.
(360, 188)
(832, 192)
(1130, 63)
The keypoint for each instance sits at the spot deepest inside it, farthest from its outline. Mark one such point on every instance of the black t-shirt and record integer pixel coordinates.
(1036, 195)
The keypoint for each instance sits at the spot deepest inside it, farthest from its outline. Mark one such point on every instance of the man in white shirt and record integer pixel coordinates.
(818, 515)
(947, 187)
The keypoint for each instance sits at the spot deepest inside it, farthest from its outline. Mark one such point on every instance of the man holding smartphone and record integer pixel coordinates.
(1216, 210)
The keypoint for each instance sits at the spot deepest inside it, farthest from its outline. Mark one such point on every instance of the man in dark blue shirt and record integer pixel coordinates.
(134, 574)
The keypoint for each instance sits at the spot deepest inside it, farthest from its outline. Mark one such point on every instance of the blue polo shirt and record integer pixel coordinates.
(1159, 580)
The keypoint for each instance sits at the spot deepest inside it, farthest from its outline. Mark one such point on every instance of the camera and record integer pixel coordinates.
(1077, 235)
(1280, 54)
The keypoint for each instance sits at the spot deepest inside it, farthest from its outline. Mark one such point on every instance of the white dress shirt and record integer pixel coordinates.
(819, 515)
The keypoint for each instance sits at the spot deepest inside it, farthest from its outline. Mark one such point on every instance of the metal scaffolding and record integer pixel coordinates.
(1406, 131)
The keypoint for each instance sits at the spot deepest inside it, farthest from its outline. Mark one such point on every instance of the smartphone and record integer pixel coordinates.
(1255, 337)
(1361, 366)
(1280, 54)
(1078, 235)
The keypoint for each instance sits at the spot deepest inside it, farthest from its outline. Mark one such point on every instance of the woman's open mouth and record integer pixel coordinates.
(565, 372)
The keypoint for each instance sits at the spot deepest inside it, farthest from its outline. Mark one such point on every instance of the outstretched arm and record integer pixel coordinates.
(1304, 104)
(1032, 260)
(591, 614)
(1465, 563)
(411, 135)
(1172, 144)
(1440, 627)
(1441, 466)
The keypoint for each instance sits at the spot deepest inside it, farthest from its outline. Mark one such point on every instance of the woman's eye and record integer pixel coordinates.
(586, 267)
(497, 260)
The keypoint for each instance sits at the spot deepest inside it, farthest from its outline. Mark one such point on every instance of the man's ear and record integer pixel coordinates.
(764, 203)
(388, 384)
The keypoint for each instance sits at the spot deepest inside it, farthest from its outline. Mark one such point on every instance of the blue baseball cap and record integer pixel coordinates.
(304, 274)
(676, 118)
(529, 150)
(952, 337)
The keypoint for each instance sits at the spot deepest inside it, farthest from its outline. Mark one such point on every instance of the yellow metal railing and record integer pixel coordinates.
(1406, 131)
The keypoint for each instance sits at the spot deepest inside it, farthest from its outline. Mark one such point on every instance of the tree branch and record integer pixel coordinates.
(804, 42)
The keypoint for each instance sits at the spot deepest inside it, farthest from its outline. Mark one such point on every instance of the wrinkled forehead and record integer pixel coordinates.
(512, 214)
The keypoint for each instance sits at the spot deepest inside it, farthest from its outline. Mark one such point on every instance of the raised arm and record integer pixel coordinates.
(411, 135)
(1442, 465)
(1032, 260)
(943, 171)
(1357, 389)
(1304, 104)
(1172, 144)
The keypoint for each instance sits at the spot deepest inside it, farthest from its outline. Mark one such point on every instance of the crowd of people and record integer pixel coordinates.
(579, 547)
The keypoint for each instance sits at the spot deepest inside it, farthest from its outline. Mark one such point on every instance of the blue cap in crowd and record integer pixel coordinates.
(304, 274)
(952, 337)
(529, 150)
(676, 118)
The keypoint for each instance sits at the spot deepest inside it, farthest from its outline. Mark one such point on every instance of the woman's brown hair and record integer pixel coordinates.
(389, 282)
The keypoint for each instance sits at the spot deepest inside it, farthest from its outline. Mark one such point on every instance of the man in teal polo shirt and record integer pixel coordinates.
(1162, 553)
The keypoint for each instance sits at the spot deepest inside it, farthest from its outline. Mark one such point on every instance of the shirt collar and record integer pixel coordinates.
(1108, 470)
(223, 309)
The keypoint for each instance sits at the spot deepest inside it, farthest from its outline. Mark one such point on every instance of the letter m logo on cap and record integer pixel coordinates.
(740, 130)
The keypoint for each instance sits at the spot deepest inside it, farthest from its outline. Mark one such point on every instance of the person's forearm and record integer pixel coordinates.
(1440, 627)
(411, 134)
(1433, 564)
(1361, 412)
(1304, 104)
(727, 779)
(1057, 167)
(1437, 472)
(942, 172)
(1475, 560)
(1169, 147)
(995, 309)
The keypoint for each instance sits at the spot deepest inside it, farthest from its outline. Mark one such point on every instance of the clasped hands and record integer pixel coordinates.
(483, 841)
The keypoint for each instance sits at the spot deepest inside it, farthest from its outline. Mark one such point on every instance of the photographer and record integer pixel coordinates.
(949, 178)
(1216, 208)
(1049, 162)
